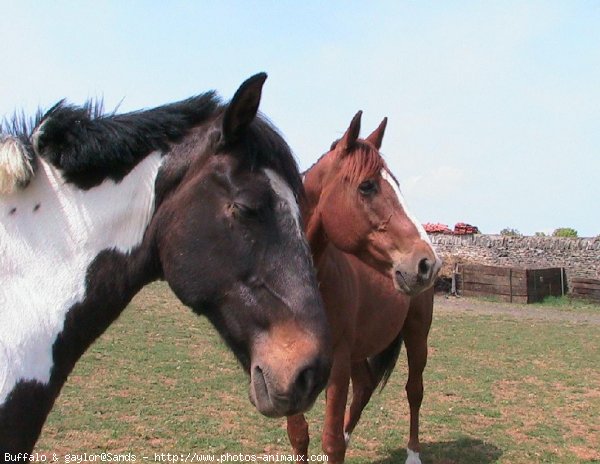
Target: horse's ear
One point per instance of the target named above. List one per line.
(243, 107)
(351, 135)
(377, 136)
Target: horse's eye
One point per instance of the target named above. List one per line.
(368, 187)
(246, 212)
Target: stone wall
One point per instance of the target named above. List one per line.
(579, 256)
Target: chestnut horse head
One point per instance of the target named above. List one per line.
(354, 203)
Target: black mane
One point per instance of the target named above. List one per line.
(89, 145)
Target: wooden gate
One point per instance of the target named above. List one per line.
(511, 284)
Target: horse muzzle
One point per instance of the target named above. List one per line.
(274, 397)
(412, 279)
(289, 367)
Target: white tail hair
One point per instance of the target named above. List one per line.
(16, 169)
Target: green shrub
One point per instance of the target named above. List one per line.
(511, 232)
(564, 232)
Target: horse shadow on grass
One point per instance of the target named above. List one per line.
(464, 450)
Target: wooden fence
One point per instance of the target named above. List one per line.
(511, 284)
(586, 288)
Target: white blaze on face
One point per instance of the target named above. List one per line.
(284, 192)
(390, 180)
(49, 235)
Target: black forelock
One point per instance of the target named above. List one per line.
(265, 148)
(88, 145)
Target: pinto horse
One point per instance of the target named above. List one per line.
(375, 266)
(198, 193)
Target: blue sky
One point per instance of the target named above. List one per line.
(493, 107)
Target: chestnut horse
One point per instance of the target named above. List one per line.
(199, 193)
(375, 266)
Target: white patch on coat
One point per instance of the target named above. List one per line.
(283, 191)
(390, 180)
(413, 457)
(45, 252)
(347, 438)
(3, 362)
(15, 166)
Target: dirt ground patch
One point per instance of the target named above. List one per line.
(476, 306)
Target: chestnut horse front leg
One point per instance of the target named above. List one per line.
(363, 386)
(297, 429)
(334, 444)
(415, 332)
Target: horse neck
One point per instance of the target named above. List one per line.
(313, 181)
(71, 261)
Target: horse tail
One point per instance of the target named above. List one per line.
(16, 169)
(382, 364)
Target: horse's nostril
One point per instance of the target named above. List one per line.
(311, 380)
(424, 268)
(305, 382)
(260, 384)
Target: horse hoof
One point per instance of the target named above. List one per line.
(413, 458)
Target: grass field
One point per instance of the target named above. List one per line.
(499, 389)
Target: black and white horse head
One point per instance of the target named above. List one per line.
(201, 194)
